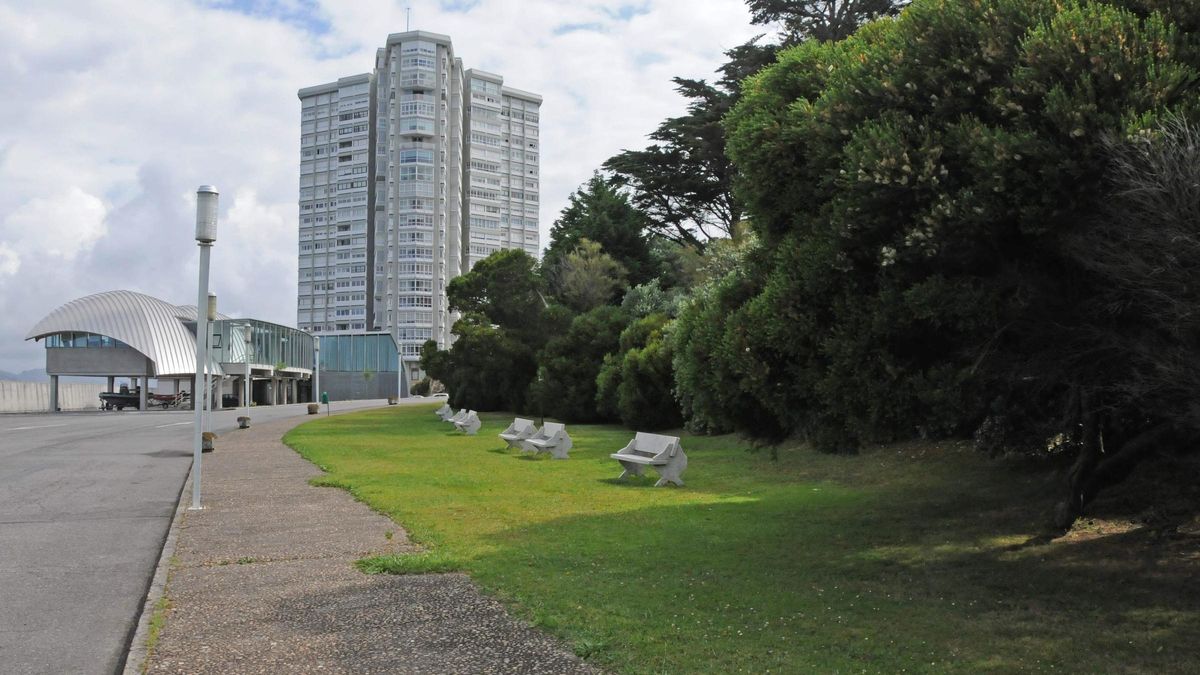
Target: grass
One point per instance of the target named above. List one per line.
(158, 619)
(917, 558)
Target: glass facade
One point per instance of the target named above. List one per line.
(373, 352)
(270, 344)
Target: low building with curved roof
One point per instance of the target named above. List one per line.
(128, 334)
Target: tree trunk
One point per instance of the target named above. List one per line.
(1095, 470)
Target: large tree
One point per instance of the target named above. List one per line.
(916, 188)
(820, 19)
(504, 322)
(504, 287)
(586, 278)
(683, 180)
(600, 213)
(568, 365)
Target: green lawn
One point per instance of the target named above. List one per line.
(917, 558)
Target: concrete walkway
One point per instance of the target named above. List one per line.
(264, 582)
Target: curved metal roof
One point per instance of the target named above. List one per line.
(149, 325)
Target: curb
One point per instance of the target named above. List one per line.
(135, 655)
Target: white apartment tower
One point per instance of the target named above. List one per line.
(409, 175)
(500, 154)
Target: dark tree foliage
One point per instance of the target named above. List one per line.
(684, 181)
(503, 287)
(504, 323)
(569, 363)
(435, 362)
(1131, 350)
(586, 278)
(635, 382)
(917, 189)
(487, 368)
(822, 20)
(598, 212)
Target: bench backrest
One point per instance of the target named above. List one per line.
(521, 424)
(549, 430)
(654, 444)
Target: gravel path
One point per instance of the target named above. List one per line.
(264, 583)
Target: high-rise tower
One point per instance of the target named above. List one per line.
(409, 175)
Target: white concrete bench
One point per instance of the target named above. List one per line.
(469, 423)
(456, 417)
(552, 438)
(445, 411)
(661, 452)
(519, 430)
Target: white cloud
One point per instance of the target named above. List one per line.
(10, 261)
(57, 226)
(116, 110)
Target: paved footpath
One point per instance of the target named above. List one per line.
(264, 582)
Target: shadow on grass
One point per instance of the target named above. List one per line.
(842, 580)
(636, 482)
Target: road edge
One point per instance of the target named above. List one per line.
(136, 652)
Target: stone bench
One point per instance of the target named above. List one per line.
(661, 452)
(552, 438)
(519, 430)
(445, 411)
(469, 424)
(456, 417)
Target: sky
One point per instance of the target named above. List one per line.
(116, 110)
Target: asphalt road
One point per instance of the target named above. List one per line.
(86, 500)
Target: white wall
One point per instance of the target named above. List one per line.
(35, 396)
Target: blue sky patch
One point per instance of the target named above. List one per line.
(304, 14)
(565, 28)
(460, 6)
(627, 11)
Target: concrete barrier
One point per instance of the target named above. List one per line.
(35, 396)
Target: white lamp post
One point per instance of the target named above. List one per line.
(206, 234)
(246, 382)
(316, 397)
(208, 375)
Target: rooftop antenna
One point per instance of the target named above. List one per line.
(407, 19)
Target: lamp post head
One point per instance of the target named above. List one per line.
(206, 214)
(212, 306)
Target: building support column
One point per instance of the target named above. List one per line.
(295, 390)
(220, 402)
(144, 394)
(274, 389)
(112, 382)
(53, 393)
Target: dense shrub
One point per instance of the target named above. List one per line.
(912, 188)
(635, 382)
(420, 387)
(488, 368)
(568, 365)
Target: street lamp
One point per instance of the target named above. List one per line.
(316, 368)
(248, 338)
(208, 374)
(206, 235)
